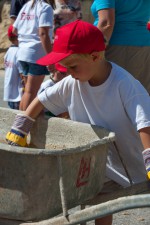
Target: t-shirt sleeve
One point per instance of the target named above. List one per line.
(136, 102)
(104, 4)
(52, 99)
(46, 17)
(46, 84)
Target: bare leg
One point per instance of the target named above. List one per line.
(104, 220)
(23, 81)
(31, 88)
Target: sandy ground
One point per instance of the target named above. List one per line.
(129, 217)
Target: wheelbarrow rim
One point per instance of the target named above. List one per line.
(63, 151)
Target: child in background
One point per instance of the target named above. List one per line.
(58, 74)
(100, 93)
(34, 26)
(12, 82)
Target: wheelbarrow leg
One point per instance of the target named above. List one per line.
(83, 207)
(62, 188)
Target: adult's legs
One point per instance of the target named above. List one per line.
(104, 220)
(31, 88)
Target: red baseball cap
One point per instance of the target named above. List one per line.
(60, 68)
(78, 37)
(148, 25)
(10, 32)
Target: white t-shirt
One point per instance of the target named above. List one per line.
(12, 80)
(45, 84)
(27, 23)
(120, 104)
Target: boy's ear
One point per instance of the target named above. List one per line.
(95, 55)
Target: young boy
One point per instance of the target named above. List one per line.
(12, 83)
(97, 92)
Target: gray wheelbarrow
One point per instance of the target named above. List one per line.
(63, 167)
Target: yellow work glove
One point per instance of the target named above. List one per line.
(146, 157)
(18, 134)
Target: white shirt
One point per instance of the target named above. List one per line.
(12, 80)
(27, 23)
(120, 104)
(46, 84)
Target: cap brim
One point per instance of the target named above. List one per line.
(60, 68)
(52, 58)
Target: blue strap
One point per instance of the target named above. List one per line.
(18, 133)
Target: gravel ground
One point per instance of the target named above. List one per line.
(129, 217)
(133, 217)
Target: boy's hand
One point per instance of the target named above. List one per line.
(19, 131)
(146, 157)
(16, 138)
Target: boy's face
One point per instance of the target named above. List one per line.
(79, 67)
